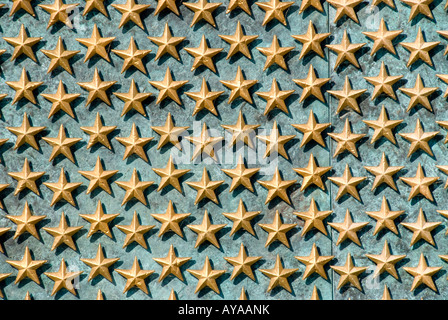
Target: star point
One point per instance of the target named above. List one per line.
(312, 174)
(345, 7)
(133, 99)
(98, 133)
(311, 41)
(419, 49)
(204, 99)
(204, 144)
(59, 12)
(59, 57)
(26, 133)
(61, 101)
(383, 127)
(383, 38)
(346, 140)
(383, 83)
(385, 217)
(24, 88)
(385, 262)
(239, 41)
(169, 133)
(97, 88)
(347, 97)
(26, 179)
(275, 98)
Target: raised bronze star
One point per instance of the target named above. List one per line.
(277, 230)
(24, 88)
(313, 218)
(311, 85)
(274, 10)
(419, 94)
(22, 4)
(444, 78)
(347, 184)
(96, 45)
(97, 88)
(168, 88)
(315, 294)
(62, 190)
(383, 127)
(277, 187)
(241, 132)
(349, 273)
(26, 222)
(238, 42)
(169, 133)
(133, 99)
(100, 265)
(312, 174)
(99, 221)
(204, 144)
(3, 276)
(205, 187)
(95, 4)
(315, 263)
(203, 10)
(239, 86)
(275, 98)
(170, 220)
(278, 275)
(241, 175)
(445, 35)
(385, 217)
(345, 50)
(167, 44)
(419, 6)
(171, 264)
(98, 177)
(134, 188)
(27, 267)
(312, 130)
(383, 38)
(135, 277)
(275, 54)
(170, 175)
(275, 142)
(98, 133)
(383, 83)
(243, 295)
(419, 139)
(61, 145)
(23, 44)
(422, 274)
(384, 173)
(419, 49)
(63, 233)
(204, 98)
(2, 232)
(346, 140)
(134, 144)
(348, 229)
(25, 133)
(241, 219)
(206, 276)
(135, 232)
(385, 261)
(206, 231)
(420, 184)
(59, 12)
(63, 279)
(166, 4)
(203, 55)
(347, 97)
(390, 3)
(60, 57)
(61, 101)
(26, 179)
(242, 263)
(444, 169)
(132, 56)
(130, 11)
(311, 40)
(242, 4)
(421, 229)
(345, 7)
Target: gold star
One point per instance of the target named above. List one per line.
(206, 231)
(241, 219)
(130, 11)
(63, 233)
(171, 264)
(169, 133)
(239, 86)
(386, 294)
(347, 184)
(132, 57)
(206, 276)
(62, 189)
(275, 98)
(420, 184)
(315, 294)
(61, 145)
(345, 7)
(349, 273)
(99, 221)
(27, 296)
(98, 177)
(242, 263)
(383, 83)
(98, 133)
(241, 175)
(203, 10)
(135, 232)
(385, 217)
(419, 139)
(134, 188)
(419, 6)
(243, 295)
(170, 220)
(384, 173)
(347, 97)
(383, 38)
(313, 218)
(96, 45)
(205, 188)
(24, 88)
(134, 144)
(383, 127)
(172, 295)
(278, 275)
(204, 143)
(277, 230)
(312, 174)
(26, 222)
(419, 49)
(27, 267)
(274, 10)
(390, 3)
(61, 100)
(166, 4)
(100, 265)
(385, 261)
(95, 4)
(63, 279)
(311, 40)
(422, 274)
(314, 263)
(242, 4)
(168, 88)
(23, 44)
(59, 12)
(241, 132)
(346, 140)
(312, 130)
(274, 54)
(22, 4)
(25, 133)
(311, 85)
(204, 98)
(170, 175)
(345, 50)
(133, 99)
(26, 179)
(419, 94)
(97, 88)
(444, 169)
(421, 229)
(239, 41)
(135, 277)
(60, 57)
(277, 187)
(275, 142)
(203, 55)
(167, 44)
(348, 229)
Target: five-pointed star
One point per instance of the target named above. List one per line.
(135, 276)
(349, 273)
(345, 7)
(419, 139)
(23, 44)
(419, 94)
(203, 10)
(275, 54)
(61, 145)
(382, 38)
(312, 174)
(314, 263)
(238, 41)
(134, 188)
(167, 44)
(168, 88)
(26, 222)
(26, 179)
(98, 177)
(206, 231)
(27, 267)
(422, 274)
(383, 83)
(384, 173)
(275, 98)
(313, 218)
(241, 219)
(419, 49)
(100, 265)
(311, 85)
(61, 100)
(206, 276)
(312, 130)
(97, 88)
(166, 4)
(278, 275)
(95, 4)
(22, 4)
(385, 217)
(96, 45)
(169, 133)
(98, 133)
(241, 132)
(205, 187)
(348, 229)
(419, 6)
(133, 99)
(275, 142)
(24, 88)
(204, 144)
(130, 11)
(241, 175)
(346, 140)
(239, 86)
(311, 40)
(132, 57)
(277, 230)
(99, 221)
(170, 220)
(242, 4)
(63, 233)
(274, 10)
(204, 98)
(420, 184)
(59, 12)
(60, 57)
(135, 232)
(171, 264)
(170, 175)
(134, 144)
(421, 229)
(346, 51)
(63, 279)
(62, 189)
(347, 97)
(385, 261)
(242, 263)
(203, 55)
(25, 133)
(383, 127)
(277, 187)
(347, 184)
